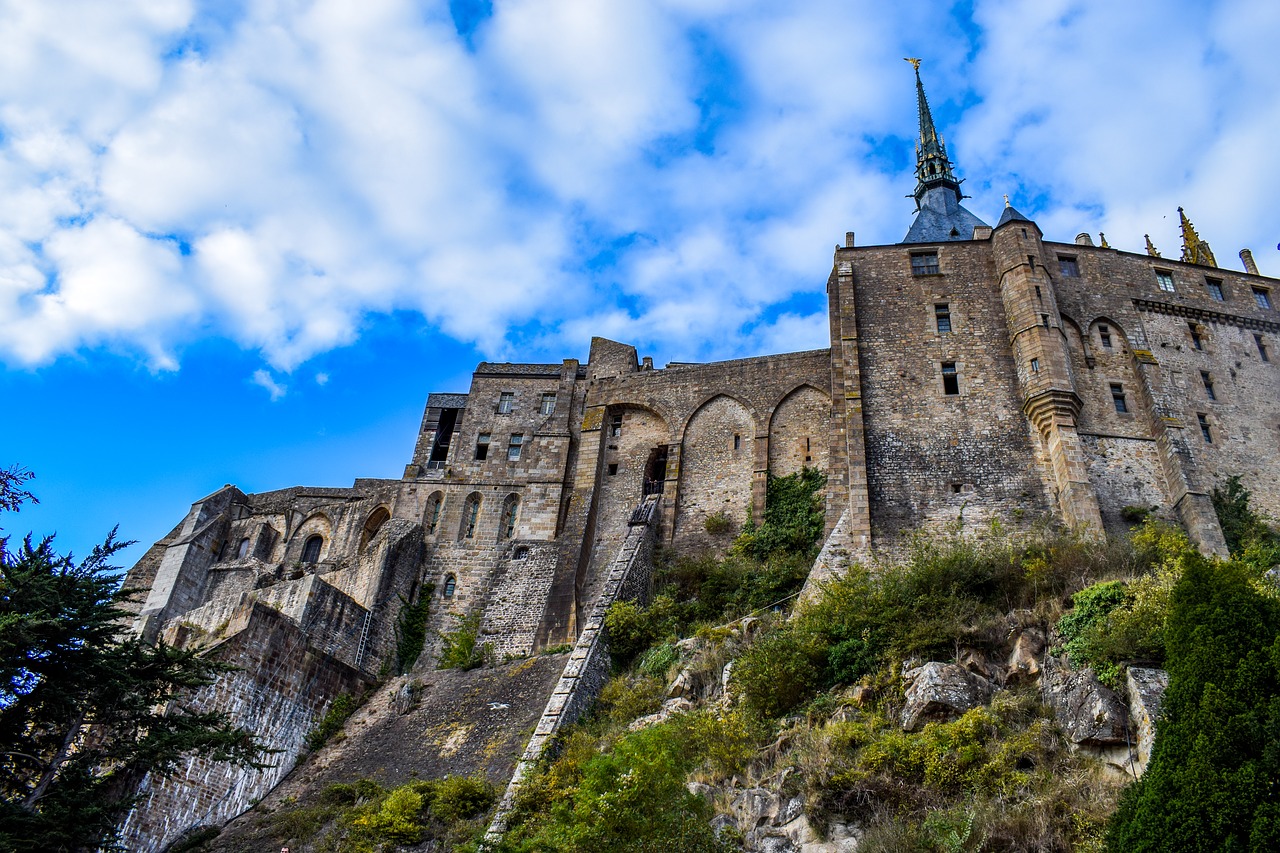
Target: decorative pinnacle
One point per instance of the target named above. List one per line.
(1006, 200)
(1103, 237)
(1151, 247)
(933, 168)
(1194, 250)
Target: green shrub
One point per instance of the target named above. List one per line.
(1249, 538)
(461, 648)
(631, 629)
(411, 629)
(342, 707)
(459, 798)
(718, 523)
(1215, 766)
(1135, 514)
(779, 671)
(793, 517)
(626, 698)
(658, 660)
(631, 798)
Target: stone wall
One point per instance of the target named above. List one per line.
(931, 457)
(281, 686)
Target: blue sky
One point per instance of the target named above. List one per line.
(241, 241)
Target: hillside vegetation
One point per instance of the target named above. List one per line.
(733, 723)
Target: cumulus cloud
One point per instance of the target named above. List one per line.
(672, 173)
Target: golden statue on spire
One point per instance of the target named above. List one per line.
(915, 63)
(1194, 250)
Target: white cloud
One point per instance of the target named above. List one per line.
(668, 173)
(264, 379)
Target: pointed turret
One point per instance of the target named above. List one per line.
(1194, 250)
(939, 214)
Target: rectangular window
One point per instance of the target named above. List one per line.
(924, 263)
(506, 402)
(548, 404)
(482, 446)
(737, 441)
(1164, 278)
(615, 426)
(1196, 340)
(613, 469)
(1262, 347)
(1044, 318)
(1104, 333)
(1204, 427)
(950, 379)
(1208, 385)
(942, 313)
(1215, 289)
(1262, 297)
(1035, 365)
(1117, 397)
(1068, 267)
(513, 446)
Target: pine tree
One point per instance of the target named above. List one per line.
(87, 708)
(1214, 778)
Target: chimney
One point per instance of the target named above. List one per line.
(848, 239)
(1083, 239)
(1249, 265)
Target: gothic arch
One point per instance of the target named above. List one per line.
(433, 513)
(717, 465)
(470, 522)
(510, 513)
(799, 431)
(372, 525)
(707, 401)
(316, 524)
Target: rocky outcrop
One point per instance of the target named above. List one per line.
(941, 691)
(1090, 713)
(1146, 693)
(769, 822)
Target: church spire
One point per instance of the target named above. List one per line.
(933, 168)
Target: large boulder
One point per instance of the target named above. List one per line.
(941, 691)
(1024, 658)
(1089, 712)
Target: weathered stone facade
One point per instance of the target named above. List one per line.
(975, 374)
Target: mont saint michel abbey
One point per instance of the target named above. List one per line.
(978, 370)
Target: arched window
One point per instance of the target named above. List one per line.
(450, 586)
(470, 517)
(311, 549)
(372, 525)
(507, 527)
(242, 550)
(432, 518)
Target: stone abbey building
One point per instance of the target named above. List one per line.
(975, 372)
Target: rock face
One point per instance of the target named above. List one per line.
(771, 823)
(1146, 693)
(1090, 713)
(941, 691)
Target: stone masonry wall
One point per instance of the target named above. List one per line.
(281, 688)
(933, 458)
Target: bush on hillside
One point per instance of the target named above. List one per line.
(1215, 767)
